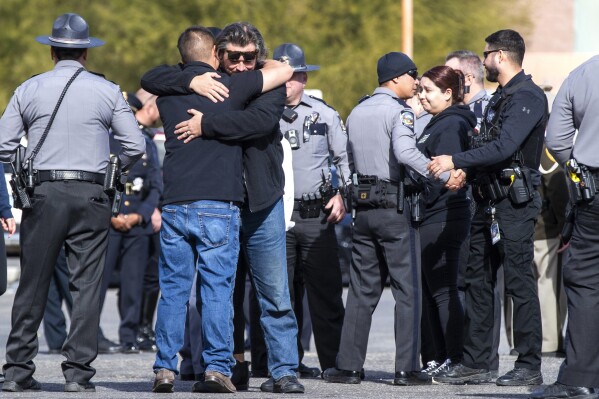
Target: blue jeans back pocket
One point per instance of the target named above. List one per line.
(214, 229)
(169, 227)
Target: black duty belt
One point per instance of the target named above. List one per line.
(59, 175)
(296, 204)
(391, 188)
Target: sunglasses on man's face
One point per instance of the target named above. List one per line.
(413, 73)
(248, 56)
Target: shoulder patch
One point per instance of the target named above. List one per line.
(407, 119)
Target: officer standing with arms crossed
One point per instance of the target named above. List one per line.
(382, 141)
(69, 206)
(574, 109)
(504, 158)
(315, 132)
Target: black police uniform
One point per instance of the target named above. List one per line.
(131, 249)
(517, 114)
(146, 338)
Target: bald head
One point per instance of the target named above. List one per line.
(196, 43)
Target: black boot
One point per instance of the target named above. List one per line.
(241, 376)
(146, 339)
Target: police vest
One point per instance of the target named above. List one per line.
(491, 124)
(528, 154)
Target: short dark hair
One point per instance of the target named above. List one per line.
(510, 41)
(67, 53)
(195, 44)
(470, 63)
(445, 77)
(241, 34)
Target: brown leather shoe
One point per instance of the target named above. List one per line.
(215, 382)
(164, 381)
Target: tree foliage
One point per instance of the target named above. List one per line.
(344, 37)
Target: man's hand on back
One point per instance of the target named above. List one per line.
(206, 85)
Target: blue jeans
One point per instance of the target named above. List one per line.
(263, 239)
(203, 235)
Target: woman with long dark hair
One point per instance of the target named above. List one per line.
(446, 220)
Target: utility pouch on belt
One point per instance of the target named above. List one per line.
(491, 188)
(310, 205)
(366, 191)
(514, 183)
(520, 189)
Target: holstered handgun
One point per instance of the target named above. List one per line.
(114, 183)
(582, 182)
(20, 194)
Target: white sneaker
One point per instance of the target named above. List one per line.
(440, 368)
(430, 367)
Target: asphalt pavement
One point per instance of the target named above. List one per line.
(130, 376)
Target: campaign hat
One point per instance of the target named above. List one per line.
(293, 55)
(70, 31)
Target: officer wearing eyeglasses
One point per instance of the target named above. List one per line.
(385, 239)
(504, 161)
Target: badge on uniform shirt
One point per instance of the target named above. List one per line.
(138, 184)
(490, 115)
(407, 119)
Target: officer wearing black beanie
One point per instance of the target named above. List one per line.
(385, 236)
